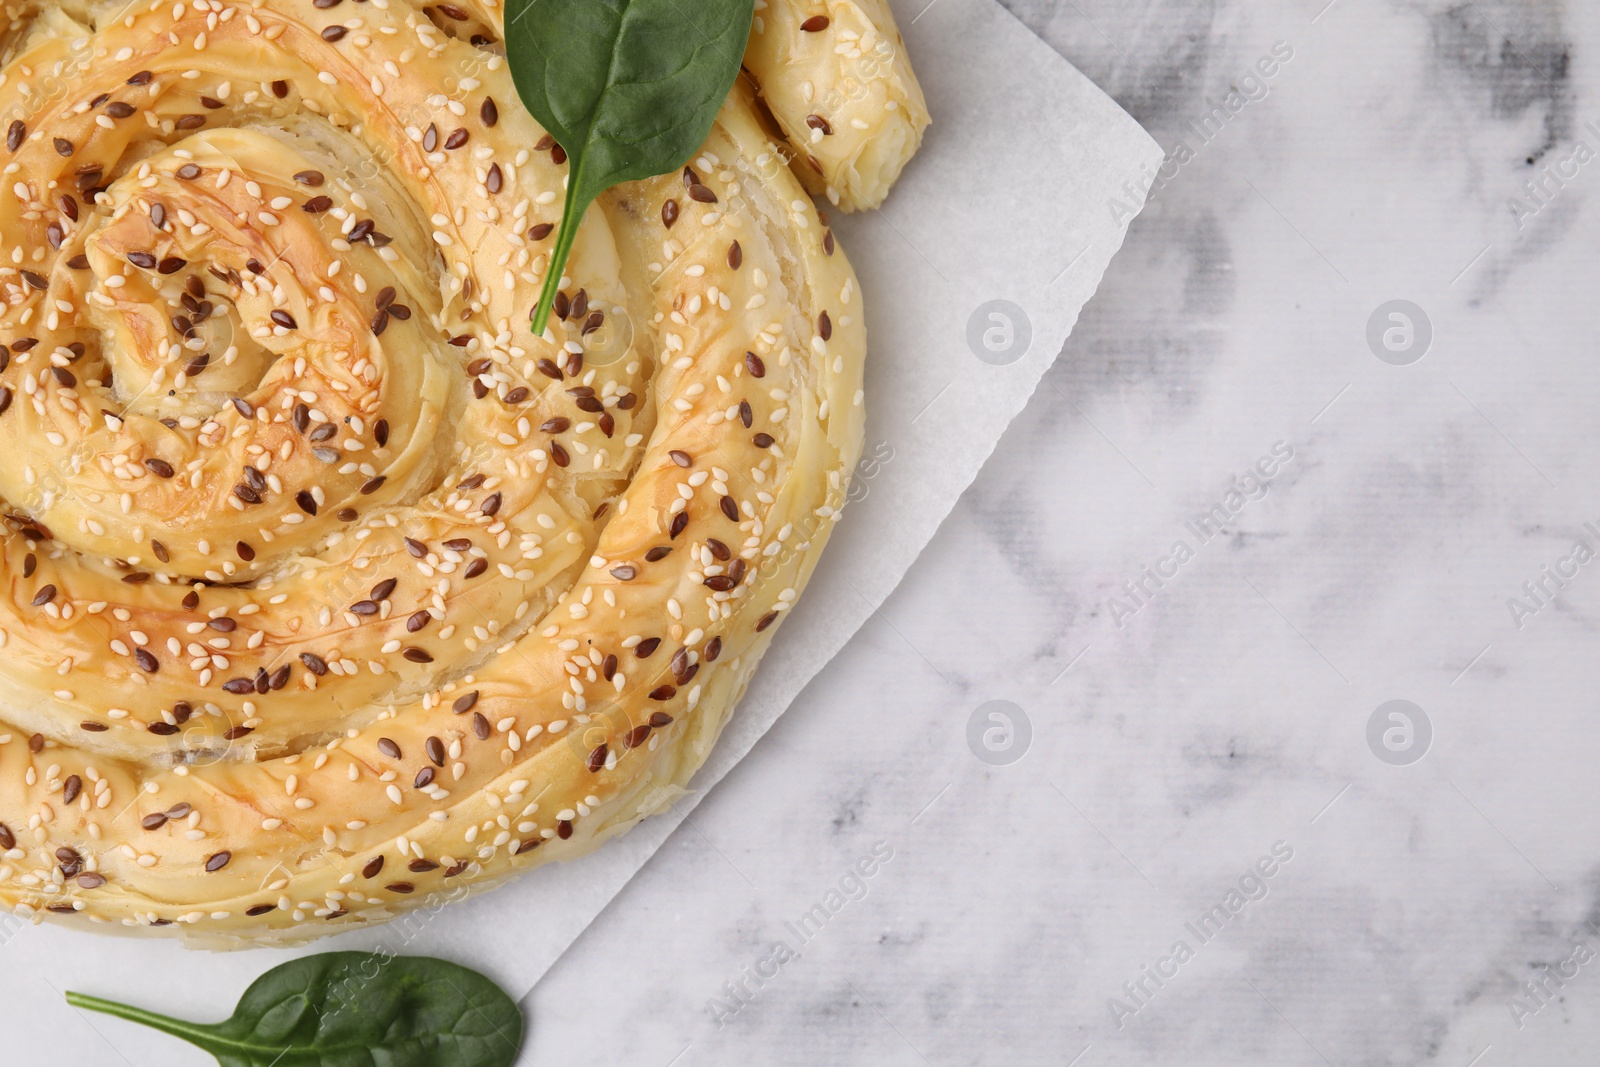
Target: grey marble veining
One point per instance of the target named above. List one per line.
(1195, 721)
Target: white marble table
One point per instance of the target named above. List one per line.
(1031, 911)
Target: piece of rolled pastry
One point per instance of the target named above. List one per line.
(331, 589)
(834, 75)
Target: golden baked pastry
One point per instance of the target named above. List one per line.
(330, 587)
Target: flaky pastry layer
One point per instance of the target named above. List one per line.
(330, 588)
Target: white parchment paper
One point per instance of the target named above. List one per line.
(1021, 196)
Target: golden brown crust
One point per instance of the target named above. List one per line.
(330, 587)
(836, 77)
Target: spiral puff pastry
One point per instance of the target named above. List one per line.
(329, 588)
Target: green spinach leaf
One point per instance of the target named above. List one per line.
(628, 88)
(353, 1009)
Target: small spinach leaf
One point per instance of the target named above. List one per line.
(628, 88)
(353, 1009)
